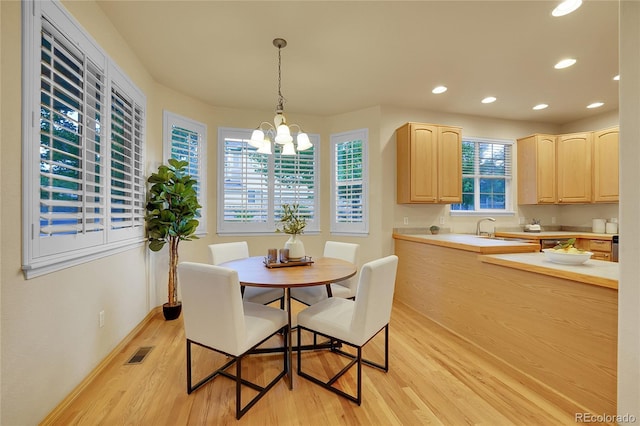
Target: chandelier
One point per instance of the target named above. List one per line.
(279, 130)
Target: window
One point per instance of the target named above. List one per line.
(252, 187)
(186, 140)
(83, 135)
(349, 192)
(486, 176)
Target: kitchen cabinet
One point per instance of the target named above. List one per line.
(574, 168)
(537, 169)
(568, 169)
(605, 166)
(601, 249)
(429, 164)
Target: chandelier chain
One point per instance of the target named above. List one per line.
(280, 106)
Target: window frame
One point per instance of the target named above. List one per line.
(170, 119)
(41, 255)
(269, 226)
(352, 228)
(509, 182)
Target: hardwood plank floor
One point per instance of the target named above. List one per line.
(434, 378)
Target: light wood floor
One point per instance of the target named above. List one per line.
(434, 378)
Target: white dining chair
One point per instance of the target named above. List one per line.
(226, 252)
(353, 322)
(345, 289)
(216, 318)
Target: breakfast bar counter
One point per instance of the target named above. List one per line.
(596, 272)
(554, 323)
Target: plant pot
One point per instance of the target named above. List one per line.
(171, 312)
(295, 246)
(434, 231)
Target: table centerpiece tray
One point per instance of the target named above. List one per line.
(305, 261)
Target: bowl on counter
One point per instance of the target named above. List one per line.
(567, 258)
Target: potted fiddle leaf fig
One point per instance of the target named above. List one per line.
(172, 212)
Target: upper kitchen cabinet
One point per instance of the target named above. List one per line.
(537, 169)
(429, 164)
(574, 168)
(605, 166)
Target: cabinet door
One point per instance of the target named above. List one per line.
(449, 165)
(546, 169)
(423, 163)
(605, 166)
(574, 168)
(536, 169)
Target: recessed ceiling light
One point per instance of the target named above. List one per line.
(595, 105)
(540, 106)
(439, 89)
(488, 100)
(566, 7)
(617, 77)
(564, 63)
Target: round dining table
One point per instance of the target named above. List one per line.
(253, 272)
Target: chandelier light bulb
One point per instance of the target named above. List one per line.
(303, 142)
(266, 147)
(283, 135)
(288, 149)
(257, 138)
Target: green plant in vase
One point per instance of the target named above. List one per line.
(293, 223)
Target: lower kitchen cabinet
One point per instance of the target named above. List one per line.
(601, 249)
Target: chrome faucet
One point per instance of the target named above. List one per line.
(480, 221)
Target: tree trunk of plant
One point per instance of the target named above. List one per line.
(173, 270)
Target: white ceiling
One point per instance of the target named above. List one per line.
(343, 56)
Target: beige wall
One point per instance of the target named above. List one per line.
(50, 339)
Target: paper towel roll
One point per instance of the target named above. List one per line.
(598, 226)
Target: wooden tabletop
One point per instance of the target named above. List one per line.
(324, 270)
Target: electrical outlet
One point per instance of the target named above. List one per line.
(101, 319)
(553, 220)
(406, 220)
(521, 220)
(441, 220)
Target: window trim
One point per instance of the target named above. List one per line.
(168, 120)
(226, 228)
(509, 184)
(354, 229)
(72, 250)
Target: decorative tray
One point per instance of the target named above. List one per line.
(305, 261)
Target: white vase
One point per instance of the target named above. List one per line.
(295, 246)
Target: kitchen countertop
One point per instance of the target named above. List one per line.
(553, 234)
(595, 272)
(468, 242)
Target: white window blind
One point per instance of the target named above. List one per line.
(349, 189)
(186, 140)
(83, 135)
(127, 180)
(486, 176)
(71, 191)
(252, 187)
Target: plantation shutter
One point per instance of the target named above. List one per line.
(71, 153)
(295, 183)
(252, 187)
(186, 140)
(245, 186)
(127, 181)
(349, 204)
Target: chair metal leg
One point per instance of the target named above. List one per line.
(355, 359)
(262, 390)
